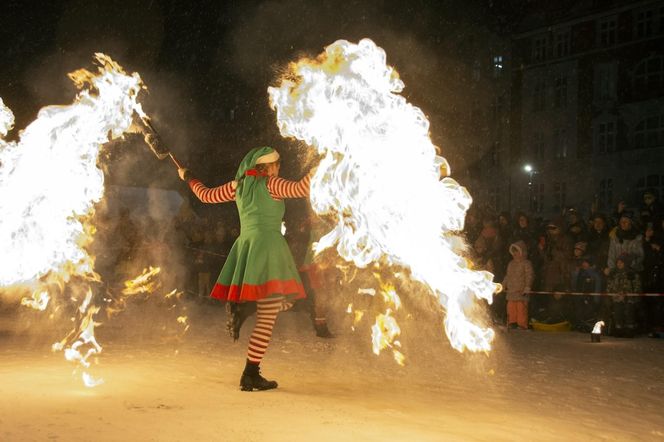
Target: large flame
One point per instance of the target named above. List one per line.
(380, 176)
(49, 184)
(49, 180)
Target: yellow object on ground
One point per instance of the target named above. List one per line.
(559, 327)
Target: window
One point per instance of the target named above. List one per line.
(607, 31)
(539, 48)
(644, 23)
(560, 92)
(649, 73)
(559, 195)
(536, 197)
(562, 43)
(605, 137)
(605, 194)
(540, 147)
(497, 66)
(649, 132)
(605, 81)
(560, 143)
(539, 98)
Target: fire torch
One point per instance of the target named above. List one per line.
(152, 139)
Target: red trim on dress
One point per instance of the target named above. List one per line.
(253, 292)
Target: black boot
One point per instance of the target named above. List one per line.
(252, 380)
(237, 314)
(322, 331)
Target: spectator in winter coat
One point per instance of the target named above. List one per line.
(556, 254)
(653, 278)
(472, 226)
(505, 227)
(517, 284)
(598, 241)
(625, 240)
(495, 247)
(576, 227)
(523, 231)
(621, 208)
(623, 280)
(651, 209)
(585, 279)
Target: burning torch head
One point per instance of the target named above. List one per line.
(151, 137)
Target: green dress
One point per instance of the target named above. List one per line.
(259, 264)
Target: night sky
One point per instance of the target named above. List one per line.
(208, 64)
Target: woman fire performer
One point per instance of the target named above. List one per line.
(259, 268)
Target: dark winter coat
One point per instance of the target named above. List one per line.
(626, 242)
(556, 262)
(598, 246)
(653, 266)
(586, 280)
(623, 281)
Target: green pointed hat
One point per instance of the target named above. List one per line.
(257, 155)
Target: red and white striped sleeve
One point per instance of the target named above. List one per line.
(280, 188)
(220, 194)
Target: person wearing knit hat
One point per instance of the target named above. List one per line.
(259, 271)
(581, 246)
(625, 239)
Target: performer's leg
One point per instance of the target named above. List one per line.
(266, 314)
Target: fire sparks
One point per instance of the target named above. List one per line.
(39, 300)
(381, 179)
(384, 334)
(143, 283)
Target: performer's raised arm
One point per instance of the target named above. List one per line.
(219, 194)
(280, 188)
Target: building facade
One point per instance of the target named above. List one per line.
(587, 109)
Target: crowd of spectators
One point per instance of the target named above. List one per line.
(614, 257)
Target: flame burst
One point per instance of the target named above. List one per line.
(381, 178)
(49, 180)
(49, 184)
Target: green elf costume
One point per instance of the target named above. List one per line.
(259, 270)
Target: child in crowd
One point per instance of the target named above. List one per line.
(622, 280)
(517, 284)
(585, 279)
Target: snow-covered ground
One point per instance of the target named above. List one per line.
(532, 386)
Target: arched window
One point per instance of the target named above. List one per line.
(649, 132)
(649, 73)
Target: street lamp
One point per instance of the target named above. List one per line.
(530, 171)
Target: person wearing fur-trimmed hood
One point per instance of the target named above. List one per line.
(517, 284)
